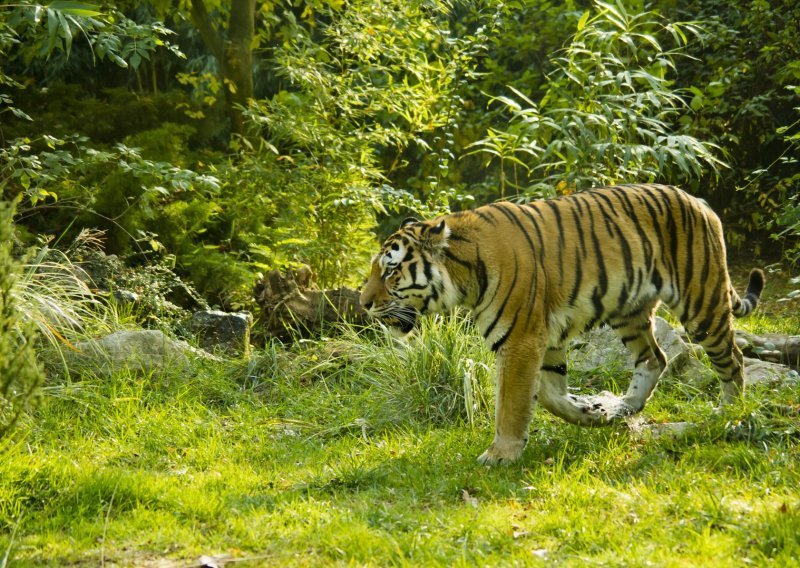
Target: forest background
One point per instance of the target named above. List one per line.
(224, 139)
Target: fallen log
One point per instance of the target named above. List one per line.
(772, 347)
(293, 307)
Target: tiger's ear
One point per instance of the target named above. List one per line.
(434, 237)
(408, 221)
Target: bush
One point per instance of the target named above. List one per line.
(610, 113)
(743, 81)
(439, 375)
(20, 373)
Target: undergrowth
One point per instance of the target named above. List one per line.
(359, 450)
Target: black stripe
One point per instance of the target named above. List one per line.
(567, 330)
(658, 282)
(597, 302)
(627, 254)
(513, 218)
(450, 256)
(579, 228)
(412, 287)
(485, 216)
(704, 270)
(714, 353)
(703, 327)
(689, 230)
(599, 292)
(608, 217)
(505, 301)
(538, 254)
(644, 238)
(499, 343)
(560, 369)
(578, 281)
(559, 223)
(426, 270)
(483, 279)
(672, 228)
(535, 224)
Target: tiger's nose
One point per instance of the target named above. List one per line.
(367, 306)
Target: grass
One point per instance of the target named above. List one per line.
(355, 451)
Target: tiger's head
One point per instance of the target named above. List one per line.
(407, 277)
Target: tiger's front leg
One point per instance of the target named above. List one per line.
(517, 390)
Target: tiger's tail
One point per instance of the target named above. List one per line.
(745, 305)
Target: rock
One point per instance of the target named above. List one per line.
(601, 349)
(215, 329)
(138, 350)
(771, 346)
(682, 358)
(672, 429)
(758, 371)
(125, 296)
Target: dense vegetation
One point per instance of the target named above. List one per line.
(218, 140)
(131, 118)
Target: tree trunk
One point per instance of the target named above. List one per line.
(233, 52)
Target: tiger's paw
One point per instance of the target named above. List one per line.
(502, 451)
(604, 408)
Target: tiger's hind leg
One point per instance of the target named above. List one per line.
(584, 410)
(714, 332)
(636, 332)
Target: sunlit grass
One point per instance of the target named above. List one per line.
(362, 451)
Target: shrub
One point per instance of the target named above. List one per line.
(20, 373)
(609, 113)
(441, 374)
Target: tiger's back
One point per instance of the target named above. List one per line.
(535, 275)
(603, 254)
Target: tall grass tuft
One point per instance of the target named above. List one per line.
(439, 375)
(57, 297)
(20, 373)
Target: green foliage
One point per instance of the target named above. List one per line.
(42, 30)
(439, 375)
(743, 80)
(609, 114)
(119, 186)
(368, 112)
(377, 82)
(20, 373)
(788, 216)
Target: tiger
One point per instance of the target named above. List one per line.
(535, 275)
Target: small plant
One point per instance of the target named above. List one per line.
(20, 373)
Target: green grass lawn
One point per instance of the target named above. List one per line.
(357, 452)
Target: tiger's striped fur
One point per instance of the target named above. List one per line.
(536, 275)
